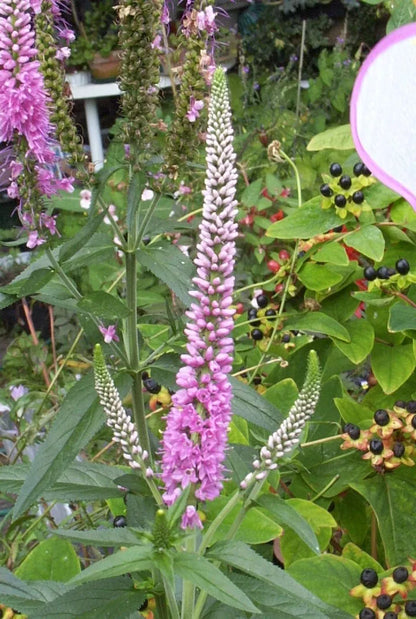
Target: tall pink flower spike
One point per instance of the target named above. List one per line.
(383, 112)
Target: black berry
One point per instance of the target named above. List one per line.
(383, 601)
(347, 426)
(358, 168)
(358, 197)
(366, 171)
(383, 273)
(151, 385)
(370, 274)
(262, 300)
(354, 432)
(338, 229)
(411, 406)
(257, 380)
(398, 449)
(256, 334)
(402, 266)
(410, 608)
(326, 190)
(413, 422)
(381, 417)
(270, 312)
(119, 521)
(340, 200)
(286, 338)
(252, 315)
(369, 578)
(335, 169)
(400, 404)
(391, 615)
(376, 446)
(400, 574)
(391, 271)
(345, 181)
(367, 613)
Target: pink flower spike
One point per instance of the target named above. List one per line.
(191, 519)
(109, 334)
(194, 108)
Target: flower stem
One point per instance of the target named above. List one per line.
(188, 588)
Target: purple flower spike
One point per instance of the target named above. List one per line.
(194, 443)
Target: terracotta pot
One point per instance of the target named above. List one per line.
(105, 69)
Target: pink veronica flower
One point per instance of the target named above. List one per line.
(194, 109)
(194, 443)
(206, 20)
(109, 334)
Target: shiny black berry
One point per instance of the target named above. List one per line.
(400, 574)
(358, 197)
(252, 315)
(398, 450)
(338, 229)
(366, 171)
(383, 273)
(340, 200)
(358, 168)
(400, 404)
(411, 406)
(270, 312)
(370, 274)
(383, 601)
(413, 422)
(391, 615)
(369, 578)
(119, 521)
(326, 190)
(376, 446)
(335, 169)
(354, 432)
(262, 300)
(381, 417)
(257, 335)
(410, 608)
(151, 385)
(367, 613)
(345, 181)
(257, 380)
(402, 266)
(286, 338)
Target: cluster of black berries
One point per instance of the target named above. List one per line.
(379, 596)
(344, 192)
(384, 272)
(390, 441)
(259, 317)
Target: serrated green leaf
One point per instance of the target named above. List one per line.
(305, 222)
(106, 538)
(71, 247)
(133, 559)
(337, 138)
(52, 559)
(24, 596)
(171, 266)
(392, 365)
(104, 305)
(317, 322)
(78, 419)
(361, 341)
(331, 578)
(368, 240)
(209, 578)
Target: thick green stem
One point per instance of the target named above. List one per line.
(188, 588)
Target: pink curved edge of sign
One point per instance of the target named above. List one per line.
(405, 32)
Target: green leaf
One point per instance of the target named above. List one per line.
(102, 537)
(103, 599)
(378, 196)
(294, 597)
(209, 578)
(104, 305)
(318, 277)
(78, 419)
(368, 240)
(133, 559)
(247, 403)
(361, 341)
(331, 578)
(171, 266)
(402, 318)
(287, 516)
(283, 394)
(23, 596)
(393, 499)
(317, 322)
(52, 559)
(358, 555)
(251, 194)
(337, 138)
(352, 411)
(305, 222)
(36, 281)
(403, 12)
(71, 247)
(333, 253)
(402, 213)
(392, 365)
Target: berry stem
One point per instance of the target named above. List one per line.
(402, 296)
(327, 487)
(320, 441)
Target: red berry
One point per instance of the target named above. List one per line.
(277, 216)
(284, 254)
(278, 288)
(239, 308)
(273, 266)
